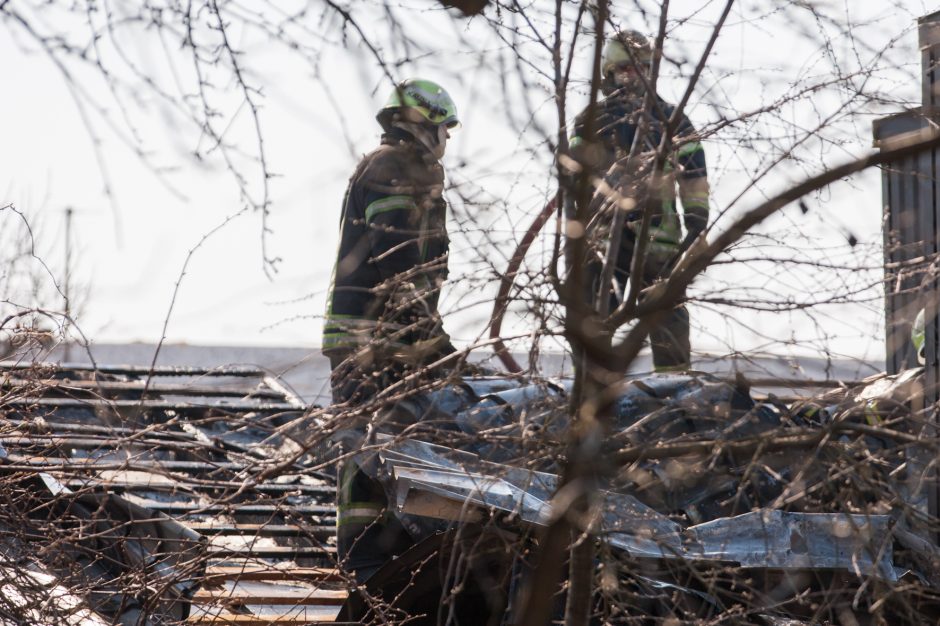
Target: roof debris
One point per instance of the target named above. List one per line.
(149, 497)
(152, 497)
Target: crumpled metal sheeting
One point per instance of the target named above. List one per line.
(630, 525)
(473, 490)
(495, 384)
(673, 406)
(445, 402)
(661, 584)
(516, 407)
(494, 415)
(466, 480)
(403, 452)
(901, 386)
(860, 544)
(776, 620)
(490, 415)
(498, 414)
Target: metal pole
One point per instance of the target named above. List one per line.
(68, 280)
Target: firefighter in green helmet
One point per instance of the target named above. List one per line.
(382, 317)
(627, 60)
(382, 327)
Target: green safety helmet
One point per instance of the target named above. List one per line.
(421, 101)
(919, 337)
(626, 47)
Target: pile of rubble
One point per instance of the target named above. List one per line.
(160, 495)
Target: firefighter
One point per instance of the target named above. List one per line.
(382, 317)
(382, 325)
(626, 63)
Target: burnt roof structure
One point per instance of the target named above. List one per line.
(137, 495)
(155, 495)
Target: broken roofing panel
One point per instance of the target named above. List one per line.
(200, 513)
(768, 539)
(860, 544)
(203, 462)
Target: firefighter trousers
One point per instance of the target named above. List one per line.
(669, 341)
(367, 533)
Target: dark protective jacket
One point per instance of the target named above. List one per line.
(617, 120)
(392, 256)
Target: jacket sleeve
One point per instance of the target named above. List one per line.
(398, 205)
(600, 153)
(399, 194)
(393, 221)
(693, 182)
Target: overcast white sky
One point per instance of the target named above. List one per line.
(129, 249)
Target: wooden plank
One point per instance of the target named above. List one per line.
(762, 397)
(264, 616)
(277, 571)
(268, 552)
(135, 370)
(795, 383)
(163, 405)
(134, 471)
(94, 443)
(54, 427)
(235, 508)
(197, 467)
(262, 530)
(131, 480)
(260, 592)
(49, 385)
(123, 481)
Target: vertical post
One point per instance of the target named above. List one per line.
(912, 214)
(911, 195)
(67, 283)
(928, 30)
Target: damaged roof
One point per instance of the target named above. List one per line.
(170, 493)
(139, 495)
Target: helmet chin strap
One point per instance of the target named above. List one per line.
(432, 137)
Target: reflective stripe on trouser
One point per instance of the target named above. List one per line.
(367, 534)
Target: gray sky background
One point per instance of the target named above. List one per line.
(318, 120)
